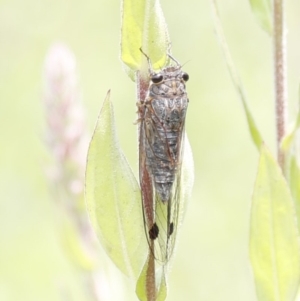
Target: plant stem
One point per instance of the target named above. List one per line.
(235, 78)
(146, 190)
(279, 41)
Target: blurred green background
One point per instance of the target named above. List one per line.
(212, 256)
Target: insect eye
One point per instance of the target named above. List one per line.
(185, 76)
(157, 78)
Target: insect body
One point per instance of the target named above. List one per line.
(162, 115)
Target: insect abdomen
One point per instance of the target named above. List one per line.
(162, 153)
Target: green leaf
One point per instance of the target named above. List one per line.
(144, 290)
(274, 240)
(235, 78)
(254, 132)
(113, 197)
(141, 287)
(162, 292)
(262, 10)
(295, 185)
(288, 140)
(143, 26)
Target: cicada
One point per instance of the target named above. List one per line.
(161, 137)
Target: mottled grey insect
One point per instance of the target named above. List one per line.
(162, 119)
